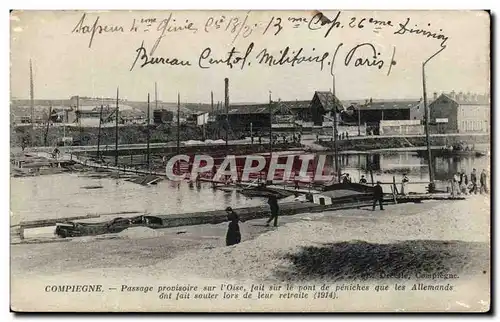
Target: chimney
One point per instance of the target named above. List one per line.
(226, 94)
(435, 95)
(453, 94)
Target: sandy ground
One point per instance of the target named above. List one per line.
(453, 235)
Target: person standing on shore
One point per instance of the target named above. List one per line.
(473, 180)
(363, 180)
(378, 195)
(404, 184)
(233, 235)
(454, 185)
(273, 204)
(482, 182)
(464, 181)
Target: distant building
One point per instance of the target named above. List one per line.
(300, 110)
(241, 116)
(321, 105)
(460, 113)
(162, 116)
(88, 116)
(373, 112)
(401, 127)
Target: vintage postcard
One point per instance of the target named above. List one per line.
(250, 161)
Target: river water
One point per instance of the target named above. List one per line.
(64, 195)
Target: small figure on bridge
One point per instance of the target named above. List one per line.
(55, 153)
(346, 179)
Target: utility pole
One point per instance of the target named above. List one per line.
(226, 103)
(156, 99)
(116, 128)
(359, 119)
(80, 131)
(270, 126)
(148, 161)
(335, 132)
(99, 134)
(212, 101)
(32, 107)
(178, 123)
(251, 132)
(427, 118)
(48, 124)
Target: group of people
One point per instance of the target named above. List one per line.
(343, 135)
(462, 184)
(340, 136)
(286, 139)
(233, 235)
(461, 146)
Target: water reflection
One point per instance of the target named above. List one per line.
(386, 166)
(62, 195)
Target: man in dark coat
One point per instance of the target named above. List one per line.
(233, 235)
(473, 180)
(378, 195)
(273, 204)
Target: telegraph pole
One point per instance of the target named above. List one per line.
(178, 123)
(226, 103)
(148, 136)
(427, 117)
(99, 134)
(335, 132)
(32, 107)
(270, 126)
(116, 128)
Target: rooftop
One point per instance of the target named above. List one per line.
(386, 105)
(326, 100)
(468, 99)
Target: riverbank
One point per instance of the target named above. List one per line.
(379, 142)
(457, 232)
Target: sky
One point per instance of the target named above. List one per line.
(64, 65)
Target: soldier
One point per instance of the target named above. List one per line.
(273, 205)
(473, 180)
(378, 195)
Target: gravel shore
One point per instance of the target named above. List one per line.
(437, 237)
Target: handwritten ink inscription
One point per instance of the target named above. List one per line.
(241, 25)
(363, 55)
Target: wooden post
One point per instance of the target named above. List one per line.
(148, 160)
(270, 128)
(394, 190)
(99, 134)
(48, 124)
(226, 103)
(116, 128)
(178, 123)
